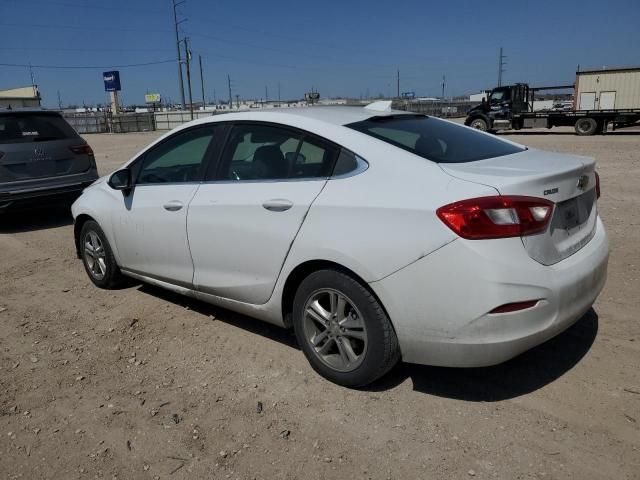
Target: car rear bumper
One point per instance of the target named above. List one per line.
(60, 192)
(439, 304)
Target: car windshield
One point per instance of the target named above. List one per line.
(435, 140)
(33, 127)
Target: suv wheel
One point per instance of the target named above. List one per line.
(343, 330)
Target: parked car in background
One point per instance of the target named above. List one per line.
(377, 235)
(43, 161)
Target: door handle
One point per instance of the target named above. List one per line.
(278, 205)
(173, 205)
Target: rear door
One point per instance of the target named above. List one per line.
(39, 145)
(150, 223)
(607, 100)
(243, 220)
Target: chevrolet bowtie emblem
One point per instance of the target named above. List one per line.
(583, 182)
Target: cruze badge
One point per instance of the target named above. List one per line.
(583, 182)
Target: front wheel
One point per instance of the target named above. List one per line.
(97, 257)
(343, 330)
(479, 124)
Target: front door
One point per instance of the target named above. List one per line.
(587, 101)
(243, 221)
(150, 227)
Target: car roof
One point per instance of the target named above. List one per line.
(334, 115)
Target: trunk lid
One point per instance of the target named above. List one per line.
(567, 180)
(38, 160)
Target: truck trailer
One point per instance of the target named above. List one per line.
(603, 100)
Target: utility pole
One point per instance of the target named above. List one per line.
(187, 54)
(230, 97)
(398, 83)
(178, 59)
(501, 64)
(238, 101)
(201, 81)
(59, 101)
(443, 82)
(266, 94)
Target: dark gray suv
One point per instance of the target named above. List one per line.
(43, 161)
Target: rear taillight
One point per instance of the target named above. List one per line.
(81, 150)
(497, 217)
(597, 185)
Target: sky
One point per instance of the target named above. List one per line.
(339, 48)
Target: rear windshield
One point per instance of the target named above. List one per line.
(33, 127)
(434, 139)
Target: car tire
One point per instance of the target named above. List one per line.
(352, 344)
(586, 126)
(479, 124)
(97, 257)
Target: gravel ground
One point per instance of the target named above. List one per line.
(141, 383)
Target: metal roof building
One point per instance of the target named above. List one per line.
(20, 97)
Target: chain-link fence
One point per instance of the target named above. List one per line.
(103, 122)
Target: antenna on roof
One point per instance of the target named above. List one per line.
(383, 106)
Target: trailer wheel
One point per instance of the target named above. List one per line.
(479, 124)
(586, 126)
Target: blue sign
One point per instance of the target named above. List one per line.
(408, 94)
(111, 81)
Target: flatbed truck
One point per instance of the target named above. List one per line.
(512, 107)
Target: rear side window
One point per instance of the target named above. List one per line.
(434, 139)
(265, 152)
(25, 128)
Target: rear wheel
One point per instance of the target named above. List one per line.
(479, 124)
(343, 330)
(97, 257)
(586, 126)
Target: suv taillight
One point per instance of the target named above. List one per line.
(597, 185)
(81, 150)
(497, 217)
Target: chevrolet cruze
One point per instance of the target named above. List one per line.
(376, 235)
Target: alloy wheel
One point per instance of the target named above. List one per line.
(335, 330)
(95, 255)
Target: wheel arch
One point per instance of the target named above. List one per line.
(77, 228)
(303, 270)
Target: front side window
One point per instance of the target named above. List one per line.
(500, 95)
(177, 159)
(264, 152)
(433, 139)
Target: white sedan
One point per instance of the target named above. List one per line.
(377, 235)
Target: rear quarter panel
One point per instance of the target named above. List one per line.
(382, 219)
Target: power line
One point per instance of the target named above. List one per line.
(97, 49)
(85, 67)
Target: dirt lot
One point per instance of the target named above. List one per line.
(140, 383)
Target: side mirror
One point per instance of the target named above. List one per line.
(121, 180)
